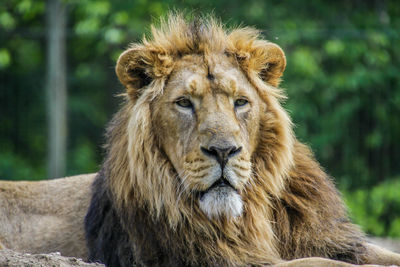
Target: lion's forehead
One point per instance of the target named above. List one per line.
(199, 76)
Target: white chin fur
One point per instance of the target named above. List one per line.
(221, 201)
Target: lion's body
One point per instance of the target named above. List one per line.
(202, 167)
(45, 216)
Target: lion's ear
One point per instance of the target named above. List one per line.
(271, 63)
(133, 72)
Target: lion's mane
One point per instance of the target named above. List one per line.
(292, 208)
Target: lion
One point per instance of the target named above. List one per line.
(45, 216)
(202, 167)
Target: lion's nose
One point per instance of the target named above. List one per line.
(221, 154)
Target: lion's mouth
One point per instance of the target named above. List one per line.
(220, 183)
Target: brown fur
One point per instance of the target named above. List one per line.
(45, 216)
(291, 207)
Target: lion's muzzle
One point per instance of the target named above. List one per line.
(221, 154)
(222, 197)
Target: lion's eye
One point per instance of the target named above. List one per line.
(241, 102)
(184, 102)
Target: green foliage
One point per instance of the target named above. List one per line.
(377, 210)
(342, 79)
(12, 165)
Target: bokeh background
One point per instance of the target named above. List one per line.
(342, 79)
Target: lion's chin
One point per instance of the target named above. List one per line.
(221, 201)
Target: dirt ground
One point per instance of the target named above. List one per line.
(9, 258)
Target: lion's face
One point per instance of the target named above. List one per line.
(207, 123)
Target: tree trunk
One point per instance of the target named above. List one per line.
(56, 88)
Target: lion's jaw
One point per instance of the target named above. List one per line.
(221, 201)
(214, 136)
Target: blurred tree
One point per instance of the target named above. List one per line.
(56, 14)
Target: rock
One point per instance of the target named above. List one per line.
(9, 258)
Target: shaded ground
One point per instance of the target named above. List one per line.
(9, 258)
(388, 243)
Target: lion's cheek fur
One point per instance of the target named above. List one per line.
(173, 138)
